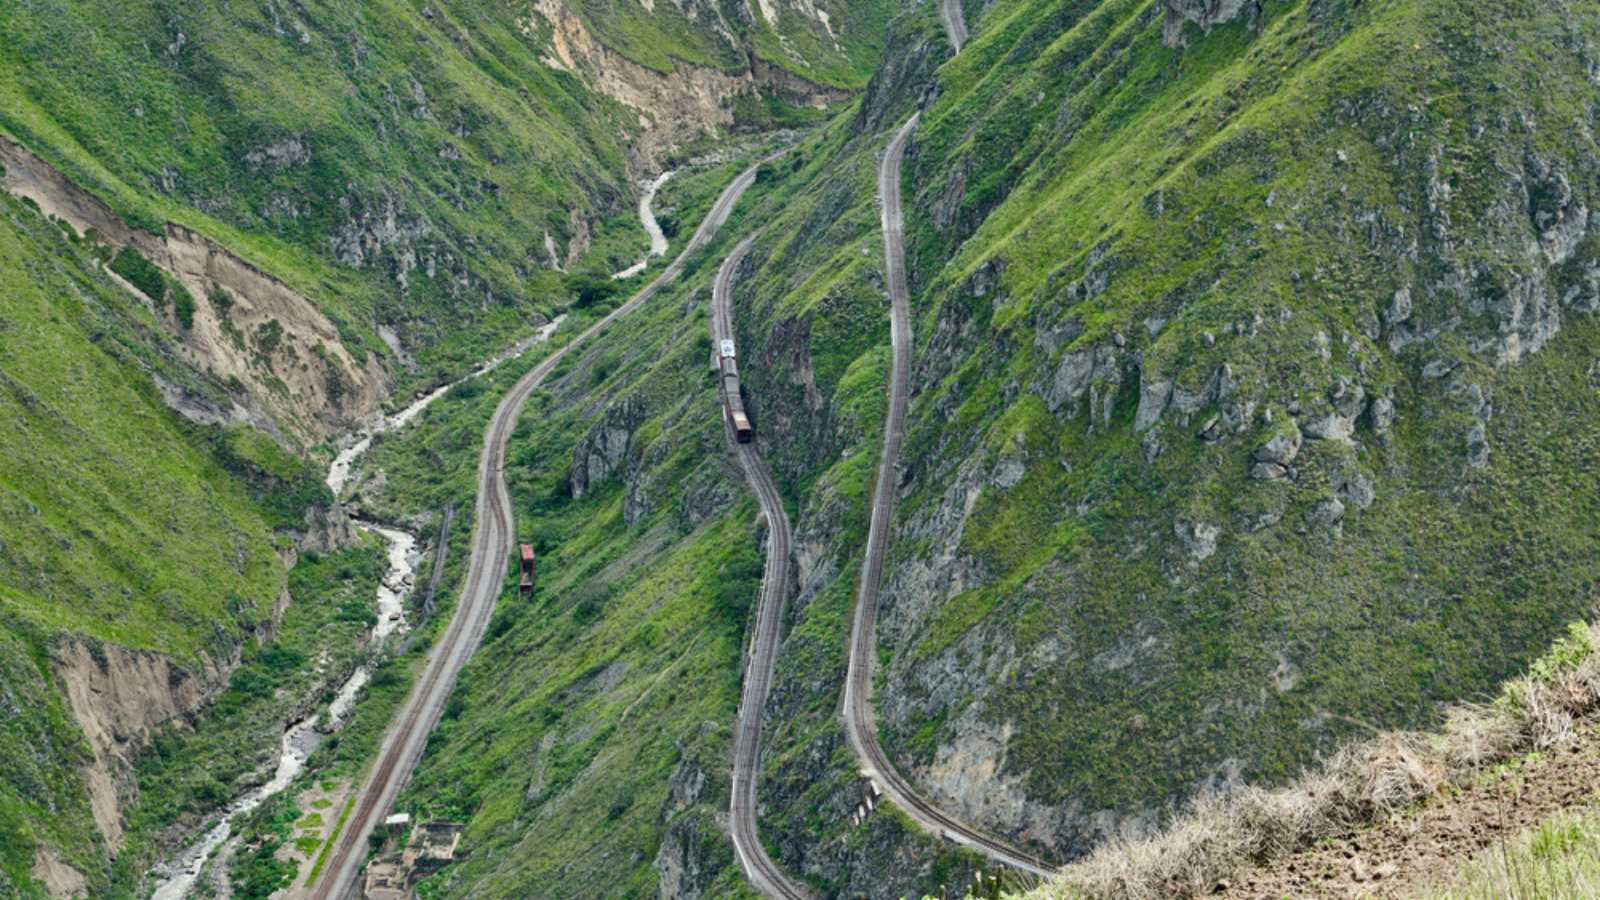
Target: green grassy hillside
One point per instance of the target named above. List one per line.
(126, 524)
(590, 729)
(1255, 401)
(125, 527)
(391, 164)
(833, 44)
(1117, 608)
(1359, 229)
(400, 162)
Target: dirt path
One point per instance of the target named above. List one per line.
(1411, 853)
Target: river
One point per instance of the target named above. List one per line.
(302, 737)
(647, 218)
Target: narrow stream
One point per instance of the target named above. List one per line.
(647, 217)
(339, 471)
(302, 737)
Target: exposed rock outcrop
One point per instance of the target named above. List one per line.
(605, 449)
(248, 327)
(673, 107)
(693, 848)
(119, 697)
(1205, 13)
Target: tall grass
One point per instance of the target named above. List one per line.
(1559, 860)
(1361, 784)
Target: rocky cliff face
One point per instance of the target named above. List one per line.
(1131, 522)
(1195, 455)
(676, 106)
(119, 697)
(1205, 14)
(247, 327)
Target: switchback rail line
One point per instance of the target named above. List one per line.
(492, 539)
(765, 874)
(859, 715)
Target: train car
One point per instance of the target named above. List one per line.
(733, 399)
(528, 564)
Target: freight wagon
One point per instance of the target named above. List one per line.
(732, 396)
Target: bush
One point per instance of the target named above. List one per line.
(279, 660)
(588, 290)
(183, 305)
(141, 273)
(358, 612)
(269, 335)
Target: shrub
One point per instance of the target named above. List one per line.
(222, 300)
(589, 290)
(183, 305)
(269, 335)
(140, 272)
(358, 612)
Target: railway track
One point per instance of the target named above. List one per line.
(859, 715)
(763, 873)
(493, 535)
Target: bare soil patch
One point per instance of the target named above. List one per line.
(1425, 848)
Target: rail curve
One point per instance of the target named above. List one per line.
(859, 715)
(759, 868)
(493, 534)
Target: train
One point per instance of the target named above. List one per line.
(525, 582)
(732, 395)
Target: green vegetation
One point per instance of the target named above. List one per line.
(1356, 229)
(1090, 199)
(42, 801)
(1559, 860)
(399, 165)
(293, 146)
(140, 273)
(187, 773)
(333, 838)
(302, 132)
(152, 537)
(128, 527)
(840, 51)
(255, 871)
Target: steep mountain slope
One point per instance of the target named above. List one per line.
(270, 217)
(139, 556)
(1239, 416)
(1147, 242)
(589, 750)
(1254, 390)
(400, 162)
(1255, 395)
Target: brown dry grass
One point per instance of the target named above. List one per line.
(1363, 783)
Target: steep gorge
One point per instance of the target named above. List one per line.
(271, 299)
(1253, 397)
